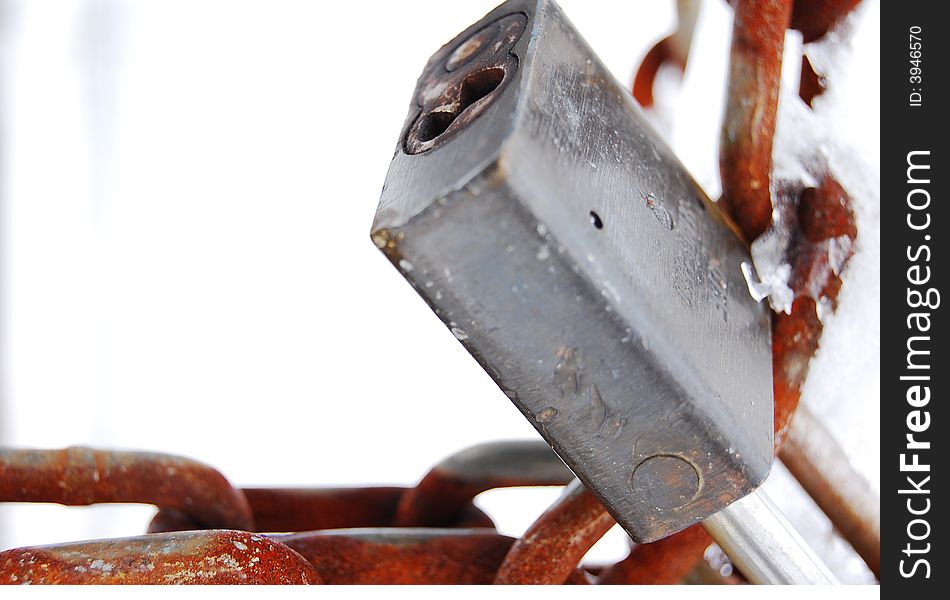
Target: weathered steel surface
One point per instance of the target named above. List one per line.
(83, 476)
(292, 509)
(568, 250)
(192, 557)
(402, 555)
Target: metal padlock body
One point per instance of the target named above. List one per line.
(566, 247)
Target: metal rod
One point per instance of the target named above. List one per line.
(550, 550)
(764, 545)
(820, 465)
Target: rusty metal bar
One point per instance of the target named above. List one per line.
(824, 223)
(193, 557)
(815, 18)
(292, 509)
(442, 496)
(551, 548)
(276, 510)
(755, 74)
(332, 508)
(665, 562)
(813, 456)
(402, 555)
(810, 84)
(83, 476)
(672, 50)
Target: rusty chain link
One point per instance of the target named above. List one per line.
(207, 531)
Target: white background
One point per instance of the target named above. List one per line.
(187, 188)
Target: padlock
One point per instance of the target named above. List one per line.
(556, 235)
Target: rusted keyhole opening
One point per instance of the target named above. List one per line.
(474, 87)
(478, 85)
(433, 125)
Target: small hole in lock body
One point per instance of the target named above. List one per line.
(595, 220)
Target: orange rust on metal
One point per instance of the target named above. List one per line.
(193, 557)
(660, 54)
(811, 85)
(815, 18)
(402, 555)
(337, 508)
(825, 212)
(83, 476)
(306, 510)
(664, 562)
(550, 550)
(672, 50)
(292, 509)
(812, 455)
(579, 576)
(190, 495)
(444, 496)
(826, 231)
(755, 72)
(794, 342)
(746, 163)
(168, 519)
(441, 500)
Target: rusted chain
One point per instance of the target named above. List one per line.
(823, 233)
(813, 456)
(305, 510)
(755, 73)
(402, 555)
(672, 50)
(551, 549)
(191, 495)
(815, 18)
(823, 243)
(450, 486)
(278, 510)
(822, 213)
(811, 84)
(83, 476)
(193, 557)
(665, 562)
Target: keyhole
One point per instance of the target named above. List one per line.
(474, 87)
(434, 124)
(478, 85)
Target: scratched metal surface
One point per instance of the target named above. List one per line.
(633, 347)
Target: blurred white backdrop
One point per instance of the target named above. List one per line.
(187, 188)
